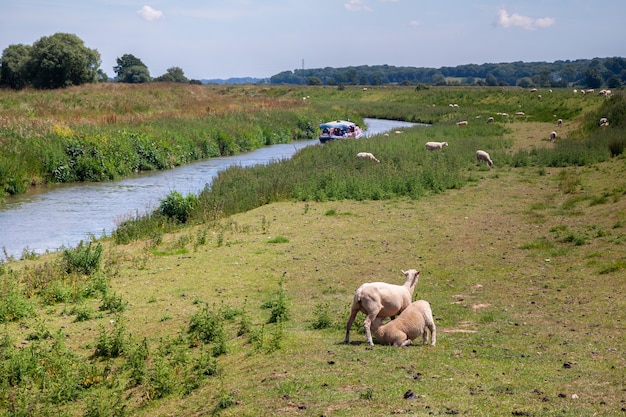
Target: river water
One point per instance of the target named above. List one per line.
(58, 216)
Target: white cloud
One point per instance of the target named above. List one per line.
(507, 20)
(357, 6)
(414, 23)
(149, 14)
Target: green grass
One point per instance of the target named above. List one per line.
(206, 317)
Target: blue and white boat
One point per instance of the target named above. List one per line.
(339, 129)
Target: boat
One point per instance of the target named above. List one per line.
(339, 129)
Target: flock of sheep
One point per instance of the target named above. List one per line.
(481, 155)
(381, 300)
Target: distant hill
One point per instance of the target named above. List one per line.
(241, 80)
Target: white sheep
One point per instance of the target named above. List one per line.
(462, 123)
(559, 122)
(435, 146)
(367, 155)
(552, 136)
(490, 120)
(380, 299)
(603, 121)
(484, 156)
(415, 321)
(520, 113)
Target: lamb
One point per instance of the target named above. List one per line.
(367, 155)
(484, 156)
(435, 146)
(552, 136)
(415, 320)
(380, 299)
(462, 123)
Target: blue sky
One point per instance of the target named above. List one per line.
(260, 38)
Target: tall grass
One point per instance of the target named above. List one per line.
(100, 133)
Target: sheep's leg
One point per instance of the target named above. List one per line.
(368, 332)
(407, 342)
(353, 314)
(433, 335)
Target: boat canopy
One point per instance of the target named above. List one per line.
(341, 124)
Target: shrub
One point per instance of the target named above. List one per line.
(177, 207)
(84, 259)
(206, 325)
(322, 317)
(278, 304)
(112, 344)
(14, 306)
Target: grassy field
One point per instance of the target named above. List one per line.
(245, 315)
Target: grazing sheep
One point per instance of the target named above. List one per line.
(490, 120)
(552, 136)
(520, 113)
(559, 122)
(484, 156)
(603, 121)
(367, 155)
(462, 123)
(380, 299)
(539, 97)
(415, 321)
(435, 146)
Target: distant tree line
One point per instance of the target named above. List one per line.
(591, 73)
(63, 60)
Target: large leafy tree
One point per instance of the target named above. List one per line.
(130, 69)
(593, 79)
(62, 60)
(173, 75)
(13, 72)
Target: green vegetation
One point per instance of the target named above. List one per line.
(234, 301)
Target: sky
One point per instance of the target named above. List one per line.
(219, 39)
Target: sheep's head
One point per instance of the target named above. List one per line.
(412, 276)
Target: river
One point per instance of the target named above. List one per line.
(53, 217)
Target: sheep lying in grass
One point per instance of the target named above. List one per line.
(380, 299)
(367, 155)
(435, 146)
(415, 321)
(484, 156)
(462, 123)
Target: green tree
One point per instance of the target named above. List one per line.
(313, 81)
(173, 75)
(593, 79)
(130, 69)
(13, 70)
(491, 80)
(614, 82)
(62, 60)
